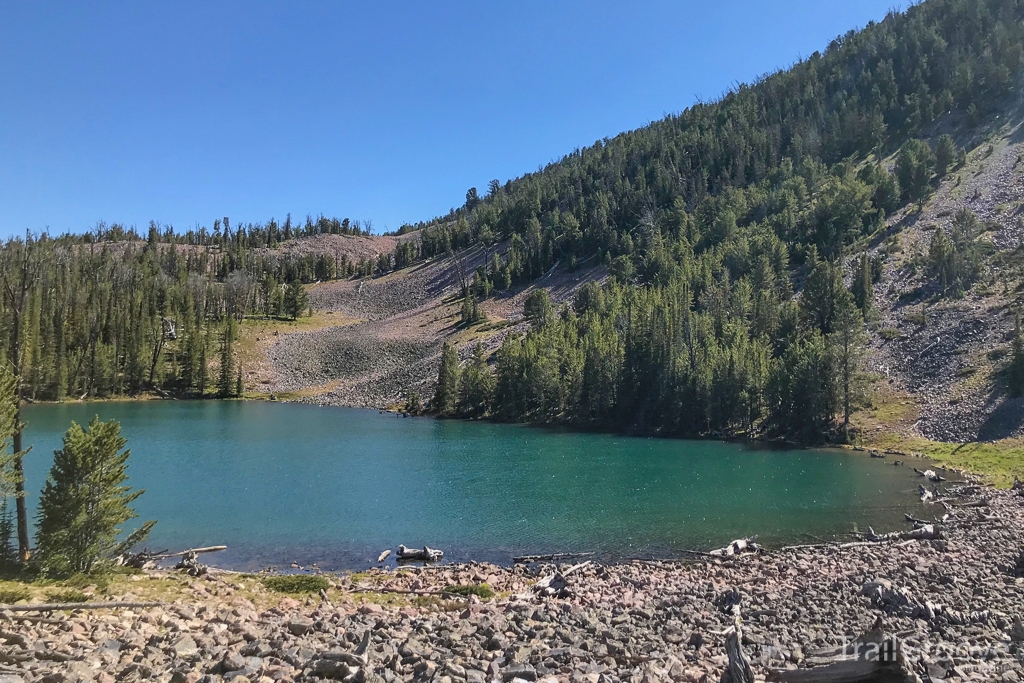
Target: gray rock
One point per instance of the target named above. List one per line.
(300, 626)
(523, 671)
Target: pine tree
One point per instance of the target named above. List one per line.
(296, 300)
(239, 386)
(915, 165)
(470, 313)
(1016, 374)
(9, 425)
(226, 382)
(863, 287)
(447, 391)
(476, 385)
(945, 155)
(201, 383)
(85, 504)
(848, 342)
(537, 307)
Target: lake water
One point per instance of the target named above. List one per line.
(279, 483)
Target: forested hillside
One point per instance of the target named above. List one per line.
(731, 253)
(710, 221)
(113, 313)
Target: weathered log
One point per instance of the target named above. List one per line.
(383, 556)
(525, 559)
(738, 670)
(930, 475)
(872, 658)
(738, 547)
(70, 606)
(193, 551)
(556, 584)
(425, 554)
(925, 494)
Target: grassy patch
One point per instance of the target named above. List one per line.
(298, 583)
(9, 596)
(481, 590)
(885, 423)
(495, 325)
(67, 595)
(257, 334)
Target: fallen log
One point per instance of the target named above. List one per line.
(383, 556)
(526, 559)
(425, 554)
(873, 657)
(70, 606)
(400, 591)
(192, 551)
(738, 547)
(557, 584)
(930, 475)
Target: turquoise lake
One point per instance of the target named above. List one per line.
(279, 483)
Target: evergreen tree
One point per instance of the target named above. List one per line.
(226, 382)
(954, 260)
(915, 166)
(863, 284)
(822, 294)
(945, 155)
(1016, 372)
(471, 313)
(85, 504)
(10, 424)
(239, 386)
(446, 394)
(537, 307)
(476, 385)
(296, 300)
(848, 341)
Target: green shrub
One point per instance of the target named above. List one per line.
(917, 318)
(9, 596)
(68, 595)
(296, 583)
(890, 333)
(481, 590)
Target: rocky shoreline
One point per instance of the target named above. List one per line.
(955, 602)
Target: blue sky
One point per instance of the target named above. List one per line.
(187, 111)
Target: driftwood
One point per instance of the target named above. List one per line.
(901, 602)
(383, 556)
(738, 669)
(872, 658)
(54, 607)
(556, 584)
(425, 554)
(926, 532)
(930, 475)
(524, 559)
(191, 565)
(144, 558)
(193, 551)
(397, 591)
(740, 546)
